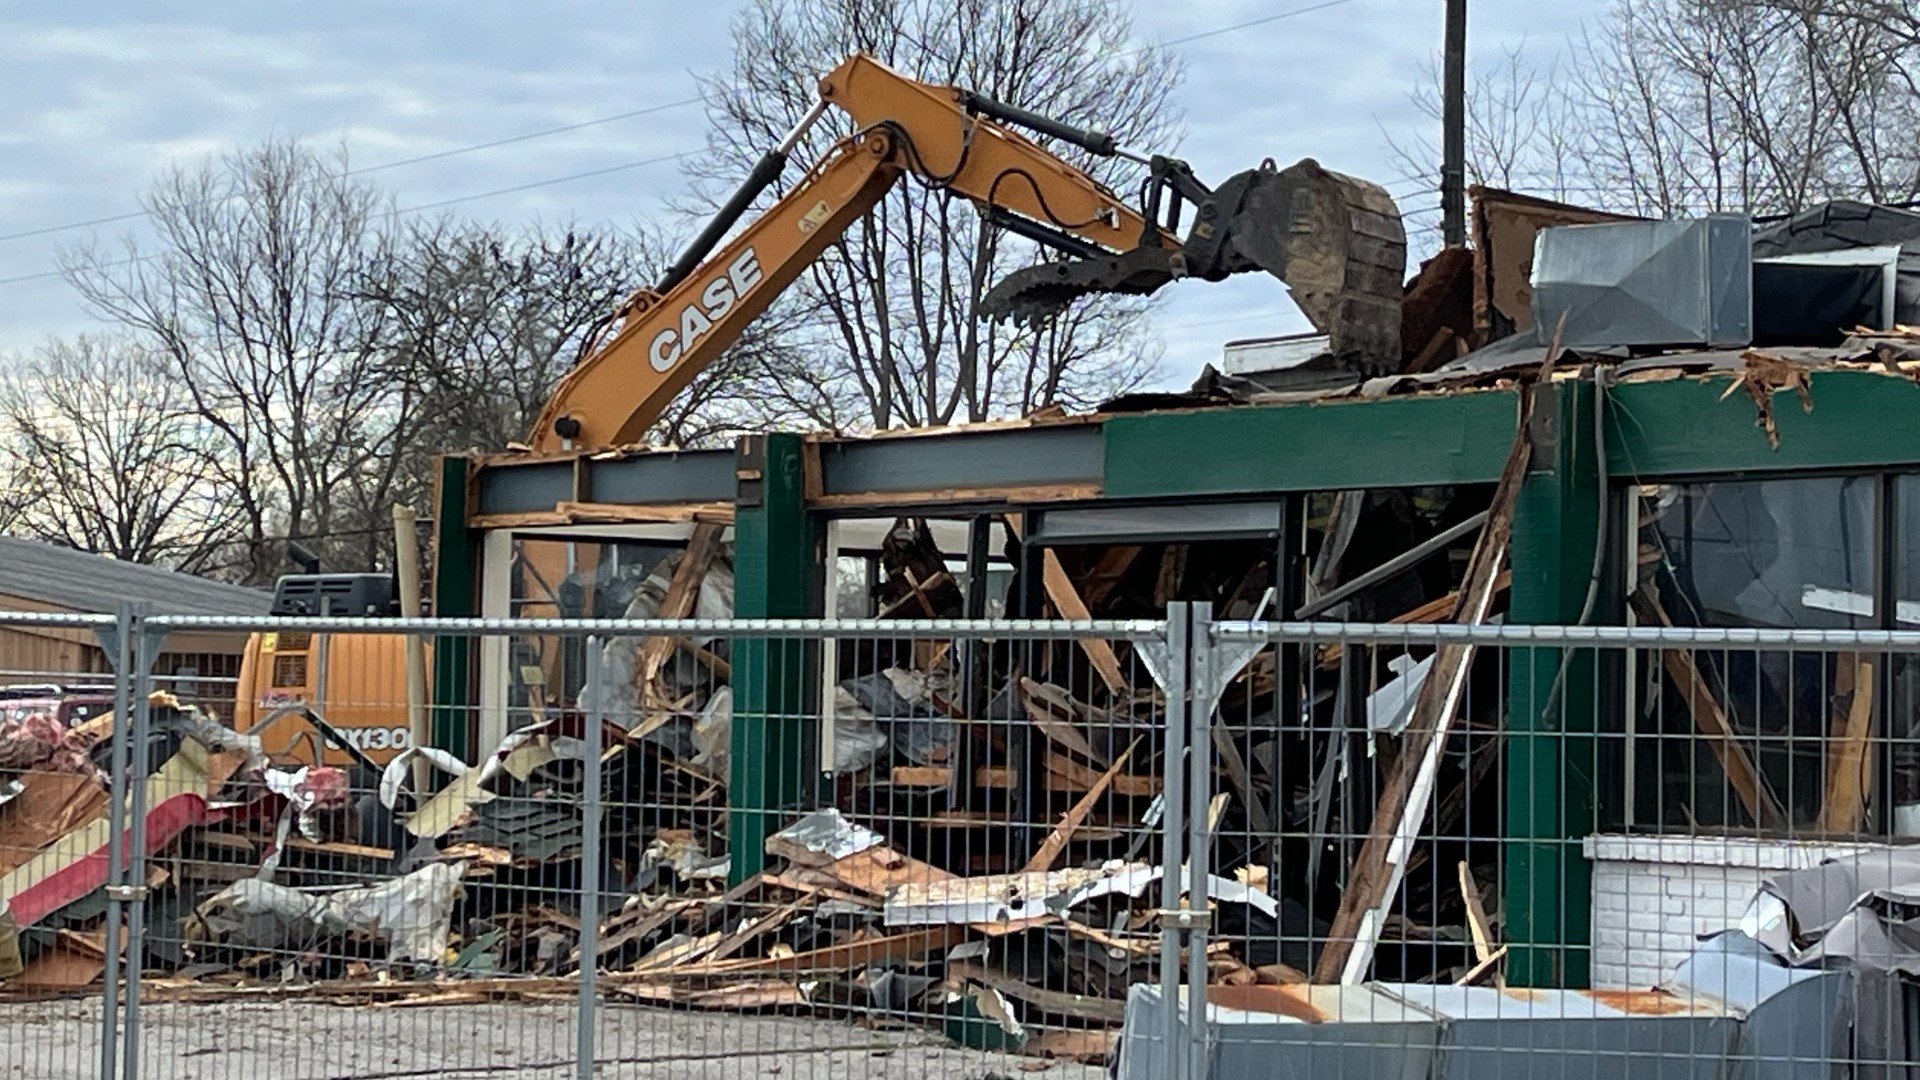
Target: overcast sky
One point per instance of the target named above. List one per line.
(99, 96)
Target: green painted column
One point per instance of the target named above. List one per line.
(1546, 880)
(456, 592)
(775, 567)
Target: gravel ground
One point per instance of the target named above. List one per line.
(305, 1040)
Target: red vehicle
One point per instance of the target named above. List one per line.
(70, 705)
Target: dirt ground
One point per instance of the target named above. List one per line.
(303, 1040)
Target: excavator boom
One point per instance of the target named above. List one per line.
(1337, 241)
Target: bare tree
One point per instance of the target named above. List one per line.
(887, 327)
(1689, 106)
(105, 455)
(1678, 107)
(250, 293)
(482, 323)
(1520, 137)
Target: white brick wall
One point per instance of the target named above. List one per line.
(1653, 897)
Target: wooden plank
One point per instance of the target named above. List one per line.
(1107, 572)
(916, 595)
(683, 592)
(1049, 709)
(797, 882)
(659, 717)
(878, 869)
(773, 920)
(1066, 600)
(1052, 1002)
(1056, 841)
(1042, 493)
(1850, 762)
(928, 776)
(1479, 970)
(1432, 611)
(673, 955)
(1404, 799)
(893, 949)
(613, 938)
(1236, 766)
(813, 483)
(1173, 569)
(340, 848)
(578, 513)
(749, 997)
(1439, 342)
(1477, 924)
(1066, 774)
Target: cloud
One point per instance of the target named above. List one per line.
(105, 95)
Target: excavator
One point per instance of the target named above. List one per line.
(1337, 242)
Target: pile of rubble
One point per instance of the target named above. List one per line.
(988, 861)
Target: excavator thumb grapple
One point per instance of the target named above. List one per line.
(1336, 241)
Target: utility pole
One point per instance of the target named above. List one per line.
(1453, 117)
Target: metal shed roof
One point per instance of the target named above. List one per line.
(79, 581)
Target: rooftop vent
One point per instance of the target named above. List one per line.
(1646, 283)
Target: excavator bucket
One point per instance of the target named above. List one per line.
(1336, 241)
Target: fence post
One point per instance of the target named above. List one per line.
(134, 888)
(590, 798)
(120, 646)
(1173, 834)
(1202, 693)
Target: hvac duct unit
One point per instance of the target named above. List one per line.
(1646, 283)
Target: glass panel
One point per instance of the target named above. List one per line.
(1787, 553)
(590, 579)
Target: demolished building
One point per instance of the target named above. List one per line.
(800, 824)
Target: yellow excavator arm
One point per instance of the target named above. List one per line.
(667, 335)
(1341, 238)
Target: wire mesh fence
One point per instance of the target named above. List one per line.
(1179, 848)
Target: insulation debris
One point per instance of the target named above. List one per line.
(408, 916)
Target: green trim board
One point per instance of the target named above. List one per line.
(1458, 438)
(775, 564)
(1693, 426)
(456, 594)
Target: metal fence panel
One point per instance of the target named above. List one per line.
(921, 848)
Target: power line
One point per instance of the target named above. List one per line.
(1262, 21)
(435, 156)
(543, 183)
(412, 209)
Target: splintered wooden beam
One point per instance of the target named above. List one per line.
(683, 592)
(1433, 611)
(1850, 762)
(1476, 914)
(1236, 766)
(1056, 841)
(1051, 710)
(1712, 722)
(1108, 572)
(1408, 792)
(1066, 600)
(917, 595)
